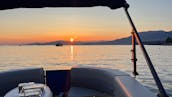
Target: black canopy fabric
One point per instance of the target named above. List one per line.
(10, 4)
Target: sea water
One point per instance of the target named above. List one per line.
(104, 56)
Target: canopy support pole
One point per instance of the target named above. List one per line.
(162, 92)
(134, 59)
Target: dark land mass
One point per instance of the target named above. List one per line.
(149, 38)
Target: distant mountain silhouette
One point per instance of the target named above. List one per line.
(50, 43)
(148, 37)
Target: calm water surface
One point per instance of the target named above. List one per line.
(106, 56)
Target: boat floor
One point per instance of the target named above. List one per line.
(84, 92)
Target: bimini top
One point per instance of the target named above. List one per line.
(10, 4)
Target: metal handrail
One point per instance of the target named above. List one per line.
(162, 92)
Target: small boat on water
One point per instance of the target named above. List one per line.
(76, 81)
(59, 44)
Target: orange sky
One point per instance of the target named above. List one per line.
(46, 37)
(44, 25)
(83, 24)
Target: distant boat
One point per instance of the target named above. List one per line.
(59, 44)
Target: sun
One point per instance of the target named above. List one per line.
(71, 39)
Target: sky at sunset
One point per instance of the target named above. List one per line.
(83, 24)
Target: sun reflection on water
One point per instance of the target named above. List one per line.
(71, 53)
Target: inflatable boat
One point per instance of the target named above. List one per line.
(74, 82)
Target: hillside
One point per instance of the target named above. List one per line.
(148, 37)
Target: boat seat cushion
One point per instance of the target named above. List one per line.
(85, 92)
(99, 79)
(11, 79)
(126, 86)
(109, 81)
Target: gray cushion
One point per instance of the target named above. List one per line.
(95, 78)
(126, 86)
(109, 81)
(11, 79)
